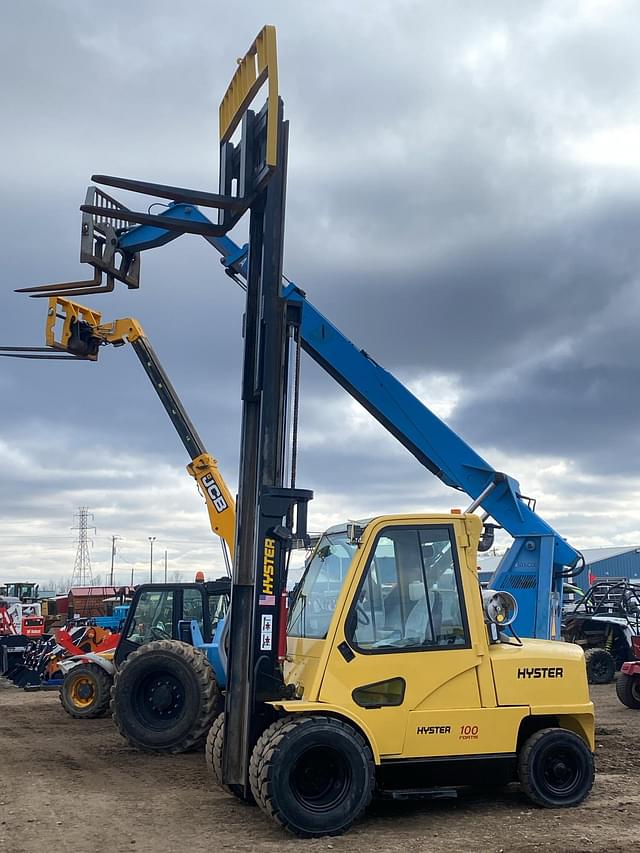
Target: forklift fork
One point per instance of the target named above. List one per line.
(70, 334)
(103, 220)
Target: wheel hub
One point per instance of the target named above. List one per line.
(320, 779)
(82, 692)
(164, 696)
(160, 698)
(601, 669)
(561, 771)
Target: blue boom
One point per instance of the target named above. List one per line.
(539, 558)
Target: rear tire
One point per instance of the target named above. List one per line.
(213, 756)
(85, 691)
(556, 768)
(628, 690)
(601, 666)
(313, 775)
(164, 697)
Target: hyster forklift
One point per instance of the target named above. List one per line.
(397, 675)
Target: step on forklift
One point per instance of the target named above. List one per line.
(397, 676)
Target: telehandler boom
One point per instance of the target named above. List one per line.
(80, 332)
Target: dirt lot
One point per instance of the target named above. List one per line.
(71, 785)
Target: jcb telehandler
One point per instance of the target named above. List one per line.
(151, 709)
(161, 683)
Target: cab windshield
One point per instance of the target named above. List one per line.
(320, 586)
(152, 618)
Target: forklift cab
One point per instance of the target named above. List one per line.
(164, 612)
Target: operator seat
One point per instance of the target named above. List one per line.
(417, 626)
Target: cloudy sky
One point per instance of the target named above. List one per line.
(463, 202)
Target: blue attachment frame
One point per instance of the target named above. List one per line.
(211, 650)
(532, 568)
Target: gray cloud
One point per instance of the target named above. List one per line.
(441, 210)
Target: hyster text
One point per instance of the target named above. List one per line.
(540, 672)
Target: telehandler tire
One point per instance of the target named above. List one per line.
(85, 691)
(628, 690)
(164, 697)
(556, 768)
(313, 775)
(213, 756)
(601, 666)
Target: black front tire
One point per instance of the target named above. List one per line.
(164, 697)
(556, 768)
(213, 756)
(85, 691)
(313, 775)
(601, 666)
(628, 690)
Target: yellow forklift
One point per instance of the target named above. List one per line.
(396, 674)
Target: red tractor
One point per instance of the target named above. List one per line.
(20, 624)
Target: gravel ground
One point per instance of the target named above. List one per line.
(73, 785)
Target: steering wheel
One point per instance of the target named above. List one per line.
(362, 613)
(159, 632)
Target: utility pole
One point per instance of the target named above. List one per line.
(82, 565)
(152, 539)
(132, 571)
(113, 557)
(165, 566)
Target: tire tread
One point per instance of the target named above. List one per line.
(624, 690)
(595, 652)
(209, 707)
(104, 681)
(266, 749)
(524, 759)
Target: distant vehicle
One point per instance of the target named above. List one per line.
(605, 622)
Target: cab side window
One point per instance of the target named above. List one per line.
(192, 606)
(217, 608)
(410, 596)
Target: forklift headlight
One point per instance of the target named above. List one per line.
(501, 608)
